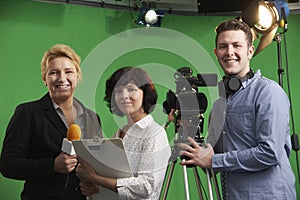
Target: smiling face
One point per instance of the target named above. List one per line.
(61, 79)
(129, 99)
(233, 52)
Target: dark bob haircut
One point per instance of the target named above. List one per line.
(134, 75)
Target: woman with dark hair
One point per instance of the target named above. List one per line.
(135, 76)
(131, 93)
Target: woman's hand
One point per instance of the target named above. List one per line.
(88, 188)
(65, 163)
(85, 172)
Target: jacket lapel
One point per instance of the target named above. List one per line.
(52, 115)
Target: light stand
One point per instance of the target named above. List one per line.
(280, 71)
(294, 136)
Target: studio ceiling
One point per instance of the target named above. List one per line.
(188, 7)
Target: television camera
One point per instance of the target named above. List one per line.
(185, 108)
(188, 105)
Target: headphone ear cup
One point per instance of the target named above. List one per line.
(232, 84)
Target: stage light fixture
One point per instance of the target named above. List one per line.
(149, 15)
(264, 17)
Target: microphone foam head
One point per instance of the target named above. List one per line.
(74, 132)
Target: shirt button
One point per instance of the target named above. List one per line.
(224, 132)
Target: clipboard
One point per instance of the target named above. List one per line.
(108, 158)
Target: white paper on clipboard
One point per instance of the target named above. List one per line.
(108, 158)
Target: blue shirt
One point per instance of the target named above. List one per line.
(251, 152)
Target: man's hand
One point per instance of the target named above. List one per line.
(199, 155)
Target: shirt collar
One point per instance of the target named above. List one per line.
(76, 104)
(143, 123)
(248, 81)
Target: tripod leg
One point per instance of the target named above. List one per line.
(167, 180)
(209, 185)
(215, 184)
(186, 184)
(198, 183)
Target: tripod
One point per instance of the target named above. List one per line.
(209, 172)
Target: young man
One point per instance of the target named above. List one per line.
(252, 151)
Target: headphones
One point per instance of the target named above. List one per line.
(233, 83)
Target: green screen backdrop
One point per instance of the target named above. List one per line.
(107, 39)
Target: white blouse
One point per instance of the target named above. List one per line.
(148, 151)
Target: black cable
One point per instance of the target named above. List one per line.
(130, 11)
(294, 137)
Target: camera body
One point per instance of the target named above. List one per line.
(187, 100)
(188, 104)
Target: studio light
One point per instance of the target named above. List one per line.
(149, 15)
(264, 17)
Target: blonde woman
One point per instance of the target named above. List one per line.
(32, 145)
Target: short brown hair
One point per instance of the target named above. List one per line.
(234, 24)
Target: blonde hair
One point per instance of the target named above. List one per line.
(60, 50)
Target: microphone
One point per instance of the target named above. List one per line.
(73, 133)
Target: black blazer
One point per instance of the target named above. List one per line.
(33, 140)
